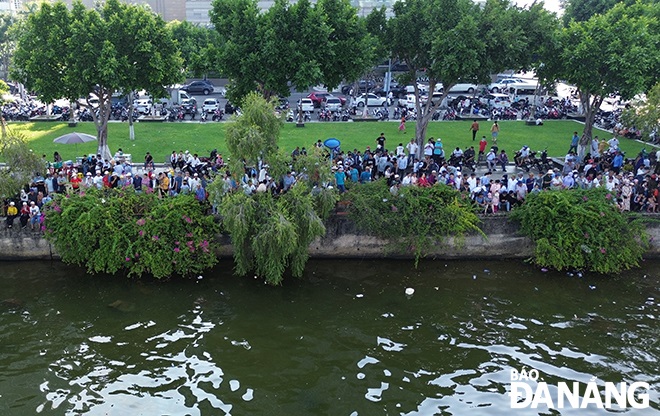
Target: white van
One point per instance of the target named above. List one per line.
(519, 92)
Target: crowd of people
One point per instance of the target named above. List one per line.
(632, 183)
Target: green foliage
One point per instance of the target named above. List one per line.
(64, 53)
(581, 229)
(254, 134)
(417, 218)
(22, 164)
(291, 42)
(644, 115)
(270, 233)
(614, 52)
(138, 233)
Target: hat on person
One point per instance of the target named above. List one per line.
(196, 174)
(550, 171)
(12, 203)
(24, 203)
(88, 174)
(129, 174)
(32, 202)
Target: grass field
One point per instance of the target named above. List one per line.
(161, 138)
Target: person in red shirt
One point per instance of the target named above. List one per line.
(75, 182)
(482, 147)
(106, 179)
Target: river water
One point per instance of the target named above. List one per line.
(344, 340)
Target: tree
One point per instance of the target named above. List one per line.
(612, 53)
(198, 46)
(297, 44)
(457, 40)
(270, 232)
(7, 42)
(645, 114)
(73, 54)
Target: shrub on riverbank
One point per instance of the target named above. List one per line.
(416, 218)
(581, 229)
(119, 230)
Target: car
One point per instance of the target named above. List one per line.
(189, 105)
(363, 87)
(318, 97)
(372, 100)
(196, 87)
(504, 84)
(333, 103)
(306, 104)
(143, 105)
(408, 101)
(210, 105)
(497, 100)
(464, 87)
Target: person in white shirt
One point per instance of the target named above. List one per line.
(400, 151)
(412, 149)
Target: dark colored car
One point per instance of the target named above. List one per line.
(199, 87)
(363, 87)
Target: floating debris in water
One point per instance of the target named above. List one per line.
(200, 277)
(543, 269)
(592, 287)
(410, 291)
(474, 277)
(579, 274)
(486, 271)
(569, 274)
(359, 295)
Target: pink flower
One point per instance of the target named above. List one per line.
(608, 196)
(155, 238)
(188, 234)
(141, 233)
(141, 221)
(602, 250)
(176, 242)
(176, 249)
(57, 208)
(586, 235)
(602, 214)
(584, 198)
(187, 219)
(128, 259)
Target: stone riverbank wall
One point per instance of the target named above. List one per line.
(342, 240)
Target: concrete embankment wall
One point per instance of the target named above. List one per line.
(342, 240)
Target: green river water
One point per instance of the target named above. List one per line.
(344, 340)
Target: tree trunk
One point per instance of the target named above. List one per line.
(590, 105)
(131, 130)
(102, 135)
(425, 113)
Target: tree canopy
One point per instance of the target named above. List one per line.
(455, 41)
(70, 54)
(290, 44)
(611, 53)
(198, 46)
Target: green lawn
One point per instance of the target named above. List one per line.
(161, 138)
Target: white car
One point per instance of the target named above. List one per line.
(143, 105)
(372, 100)
(332, 104)
(210, 105)
(409, 101)
(464, 87)
(496, 100)
(504, 84)
(306, 104)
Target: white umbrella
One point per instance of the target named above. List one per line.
(75, 138)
